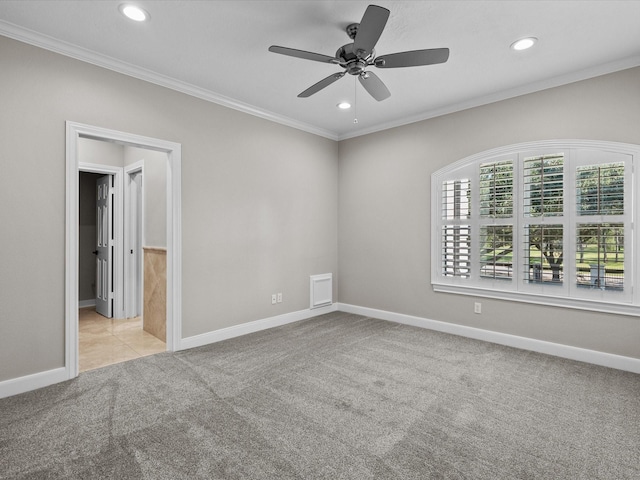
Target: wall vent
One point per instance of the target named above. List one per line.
(321, 290)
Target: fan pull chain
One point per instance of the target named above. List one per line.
(355, 100)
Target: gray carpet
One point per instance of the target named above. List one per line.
(335, 397)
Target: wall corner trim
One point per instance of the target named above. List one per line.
(595, 357)
(34, 381)
(252, 327)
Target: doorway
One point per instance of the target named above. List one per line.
(172, 216)
(106, 335)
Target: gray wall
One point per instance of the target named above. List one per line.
(100, 152)
(384, 211)
(155, 193)
(259, 200)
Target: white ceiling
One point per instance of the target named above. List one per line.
(217, 50)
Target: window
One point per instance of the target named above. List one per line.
(545, 222)
(600, 255)
(543, 185)
(496, 189)
(600, 189)
(496, 251)
(543, 257)
(456, 233)
(495, 183)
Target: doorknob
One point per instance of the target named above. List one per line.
(95, 252)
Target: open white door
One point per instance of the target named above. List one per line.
(133, 243)
(105, 244)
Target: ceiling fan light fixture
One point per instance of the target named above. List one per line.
(524, 43)
(134, 12)
(344, 105)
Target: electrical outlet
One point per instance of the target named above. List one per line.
(477, 307)
(274, 299)
(279, 297)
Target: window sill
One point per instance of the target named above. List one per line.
(545, 300)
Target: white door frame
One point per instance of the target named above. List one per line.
(75, 131)
(118, 307)
(130, 267)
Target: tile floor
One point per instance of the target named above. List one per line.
(105, 341)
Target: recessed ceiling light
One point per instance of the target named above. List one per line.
(344, 105)
(134, 13)
(524, 43)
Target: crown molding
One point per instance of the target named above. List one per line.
(64, 48)
(558, 81)
(67, 49)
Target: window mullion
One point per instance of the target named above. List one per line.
(475, 224)
(570, 223)
(518, 207)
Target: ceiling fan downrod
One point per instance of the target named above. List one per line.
(352, 30)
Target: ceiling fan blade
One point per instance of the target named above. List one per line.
(372, 84)
(321, 84)
(370, 29)
(414, 58)
(292, 52)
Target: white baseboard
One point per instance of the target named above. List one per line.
(251, 327)
(610, 360)
(19, 385)
(27, 383)
(86, 303)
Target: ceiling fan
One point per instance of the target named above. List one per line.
(356, 57)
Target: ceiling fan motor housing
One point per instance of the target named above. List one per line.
(353, 63)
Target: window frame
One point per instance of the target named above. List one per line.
(576, 153)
